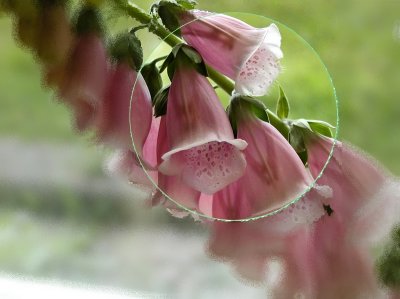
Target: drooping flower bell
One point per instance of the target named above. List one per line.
(274, 176)
(124, 118)
(126, 105)
(201, 146)
(353, 177)
(173, 185)
(85, 76)
(55, 35)
(246, 54)
(138, 166)
(364, 208)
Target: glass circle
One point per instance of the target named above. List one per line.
(312, 96)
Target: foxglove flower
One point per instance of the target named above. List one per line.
(366, 204)
(274, 175)
(173, 186)
(250, 246)
(55, 37)
(125, 162)
(352, 175)
(201, 147)
(87, 71)
(85, 77)
(112, 115)
(248, 55)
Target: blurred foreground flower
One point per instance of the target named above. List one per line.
(335, 256)
(84, 78)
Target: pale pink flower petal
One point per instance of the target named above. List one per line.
(112, 118)
(353, 177)
(86, 73)
(201, 145)
(248, 55)
(274, 176)
(173, 185)
(126, 163)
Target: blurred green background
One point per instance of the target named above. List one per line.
(62, 217)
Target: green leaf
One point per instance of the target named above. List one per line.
(161, 101)
(192, 54)
(303, 156)
(88, 20)
(321, 122)
(126, 47)
(152, 77)
(168, 12)
(166, 62)
(188, 4)
(283, 108)
(321, 127)
(296, 139)
(388, 265)
(301, 123)
(278, 124)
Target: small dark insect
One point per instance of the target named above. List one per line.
(328, 210)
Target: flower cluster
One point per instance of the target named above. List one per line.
(178, 141)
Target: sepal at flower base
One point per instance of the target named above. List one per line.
(169, 11)
(127, 48)
(283, 107)
(184, 54)
(152, 76)
(160, 102)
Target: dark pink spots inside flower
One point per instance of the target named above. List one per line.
(258, 72)
(212, 166)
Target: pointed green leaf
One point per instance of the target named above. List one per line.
(321, 127)
(303, 156)
(301, 123)
(188, 4)
(296, 139)
(283, 108)
(161, 101)
(321, 122)
(126, 47)
(152, 77)
(88, 20)
(192, 54)
(168, 11)
(278, 124)
(166, 62)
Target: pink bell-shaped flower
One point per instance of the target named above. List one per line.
(201, 147)
(173, 186)
(274, 176)
(246, 54)
(125, 162)
(353, 177)
(112, 115)
(86, 73)
(84, 78)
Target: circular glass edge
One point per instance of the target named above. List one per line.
(283, 207)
